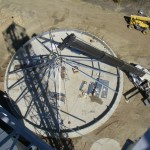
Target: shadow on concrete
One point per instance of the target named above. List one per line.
(45, 114)
(41, 104)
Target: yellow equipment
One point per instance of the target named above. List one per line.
(141, 23)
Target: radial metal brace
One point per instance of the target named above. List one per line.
(71, 41)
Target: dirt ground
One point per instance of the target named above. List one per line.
(105, 19)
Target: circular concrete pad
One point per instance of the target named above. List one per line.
(106, 144)
(62, 93)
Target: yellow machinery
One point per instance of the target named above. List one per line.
(141, 23)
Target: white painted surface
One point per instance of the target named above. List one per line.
(106, 144)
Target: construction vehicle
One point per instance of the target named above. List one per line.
(141, 23)
(139, 76)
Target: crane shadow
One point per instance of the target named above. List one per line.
(15, 36)
(40, 103)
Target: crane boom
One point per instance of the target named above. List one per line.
(142, 18)
(92, 52)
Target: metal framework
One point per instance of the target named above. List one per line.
(42, 83)
(19, 130)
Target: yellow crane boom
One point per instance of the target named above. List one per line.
(142, 18)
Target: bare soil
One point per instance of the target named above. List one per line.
(105, 19)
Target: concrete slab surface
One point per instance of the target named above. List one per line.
(104, 19)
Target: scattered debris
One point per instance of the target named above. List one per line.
(75, 69)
